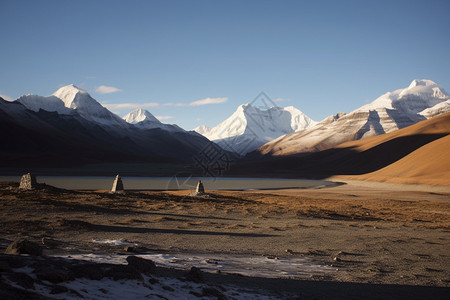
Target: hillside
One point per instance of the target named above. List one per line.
(421, 100)
(418, 153)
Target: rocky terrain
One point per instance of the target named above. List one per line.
(354, 240)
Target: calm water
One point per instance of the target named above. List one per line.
(173, 183)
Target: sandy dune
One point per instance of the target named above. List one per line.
(429, 164)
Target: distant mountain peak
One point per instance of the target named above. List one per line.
(71, 99)
(391, 111)
(143, 119)
(140, 115)
(251, 126)
(421, 82)
(70, 89)
(73, 96)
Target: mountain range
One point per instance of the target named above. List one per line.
(70, 128)
(250, 127)
(419, 153)
(421, 100)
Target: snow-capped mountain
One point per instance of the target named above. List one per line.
(422, 99)
(438, 109)
(140, 115)
(145, 120)
(250, 127)
(70, 99)
(70, 128)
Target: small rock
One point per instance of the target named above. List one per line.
(195, 275)
(140, 264)
(289, 251)
(337, 259)
(135, 249)
(117, 185)
(200, 189)
(129, 249)
(28, 182)
(23, 246)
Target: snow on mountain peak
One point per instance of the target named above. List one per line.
(391, 111)
(419, 95)
(72, 96)
(203, 130)
(70, 99)
(421, 82)
(251, 126)
(86, 106)
(143, 119)
(140, 115)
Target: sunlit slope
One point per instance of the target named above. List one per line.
(429, 164)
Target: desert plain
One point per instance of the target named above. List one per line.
(377, 240)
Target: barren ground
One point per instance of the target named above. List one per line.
(369, 233)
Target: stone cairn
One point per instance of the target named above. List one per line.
(28, 182)
(117, 185)
(199, 190)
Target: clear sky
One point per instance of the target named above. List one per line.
(322, 57)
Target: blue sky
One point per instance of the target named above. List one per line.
(322, 57)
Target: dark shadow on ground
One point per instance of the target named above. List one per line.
(188, 216)
(128, 229)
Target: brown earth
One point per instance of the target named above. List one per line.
(370, 233)
(429, 164)
(417, 154)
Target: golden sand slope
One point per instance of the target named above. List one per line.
(430, 164)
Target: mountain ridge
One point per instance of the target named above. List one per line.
(143, 119)
(68, 100)
(391, 111)
(42, 132)
(250, 127)
(415, 154)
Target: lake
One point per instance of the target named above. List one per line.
(174, 183)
